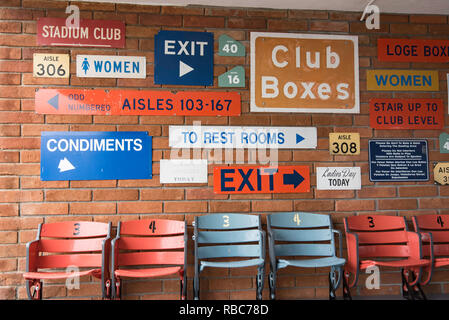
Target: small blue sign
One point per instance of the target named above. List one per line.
(95, 155)
(398, 160)
(184, 58)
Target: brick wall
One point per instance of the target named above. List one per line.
(25, 201)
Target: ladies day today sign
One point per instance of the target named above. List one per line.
(304, 73)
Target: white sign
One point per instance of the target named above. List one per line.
(183, 171)
(91, 66)
(51, 65)
(338, 178)
(242, 137)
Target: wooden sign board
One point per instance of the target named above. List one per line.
(441, 173)
(402, 80)
(347, 144)
(413, 50)
(51, 65)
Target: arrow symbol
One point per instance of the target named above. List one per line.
(293, 178)
(65, 165)
(184, 68)
(54, 102)
(299, 138)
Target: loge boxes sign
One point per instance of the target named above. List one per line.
(304, 73)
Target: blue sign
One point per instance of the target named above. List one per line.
(398, 160)
(95, 155)
(184, 58)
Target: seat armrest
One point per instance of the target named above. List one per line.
(262, 239)
(32, 255)
(271, 251)
(340, 242)
(414, 242)
(352, 244)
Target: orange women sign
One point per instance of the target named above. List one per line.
(413, 50)
(136, 102)
(304, 73)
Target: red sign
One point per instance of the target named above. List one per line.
(257, 179)
(136, 102)
(406, 113)
(90, 33)
(413, 50)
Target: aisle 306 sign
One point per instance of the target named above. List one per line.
(51, 65)
(341, 143)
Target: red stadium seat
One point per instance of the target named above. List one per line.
(81, 244)
(383, 241)
(149, 248)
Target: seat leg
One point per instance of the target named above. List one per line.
(272, 285)
(37, 293)
(196, 287)
(417, 290)
(332, 295)
(107, 290)
(407, 291)
(118, 291)
(346, 291)
(260, 282)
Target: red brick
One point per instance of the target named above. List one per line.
(162, 194)
(204, 22)
(10, 53)
(397, 204)
(156, 20)
(93, 208)
(333, 26)
(44, 208)
(68, 195)
(230, 206)
(9, 210)
(272, 205)
(185, 206)
(118, 195)
(241, 23)
(287, 25)
(354, 205)
(139, 207)
(10, 27)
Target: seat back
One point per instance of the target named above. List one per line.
(72, 243)
(227, 236)
(301, 234)
(438, 225)
(151, 242)
(379, 236)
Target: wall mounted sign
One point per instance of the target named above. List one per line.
(136, 102)
(234, 78)
(51, 65)
(95, 155)
(304, 73)
(398, 160)
(255, 179)
(402, 80)
(447, 81)
(343, 143)
(91, 33)
(406, 114)
(229, 47)
(444, 143)
(183, 171)
(93, 66)
(242, 137)
(338, 178)
(184, 58)
(413, 50)
(441, 173)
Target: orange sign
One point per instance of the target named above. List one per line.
(304, 73)
(135, 102)
(413, 50)
(406, 113)
(256, 179)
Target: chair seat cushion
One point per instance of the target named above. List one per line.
(312, 263)
(232, 264)
(410, 262)
(61, 275)
(147, 273)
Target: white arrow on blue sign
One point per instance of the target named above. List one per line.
(242, 137)
(183, 58)
(95, 155)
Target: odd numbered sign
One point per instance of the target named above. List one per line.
(184, 58)
(341, 143)
(441, 173)
(95, 155)
(51, 65)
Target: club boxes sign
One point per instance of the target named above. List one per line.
(338, 178)
(90, 33)
(406, 114)
(91, 66)
(304, 73)
(413, 50)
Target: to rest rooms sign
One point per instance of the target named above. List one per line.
(304, 73)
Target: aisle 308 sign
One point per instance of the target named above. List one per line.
(341, 143)
(50, 65)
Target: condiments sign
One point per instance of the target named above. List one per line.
(304, 73)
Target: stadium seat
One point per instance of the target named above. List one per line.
(218, 237)
(82, 246)
(295, 237)
(149, 248)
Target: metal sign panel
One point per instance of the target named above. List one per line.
(413, 50)
(338, 178)
(90, 33)
(406, 114)
(258, 179)
(444, 142)
(398, 160)
(344, 143)
(51, 65)
(234, 78)
(402, 80)
(136, 102)
(184, 58)
(183, 171)
(94, 66)
(95, 155)
(441, 173)
(304, 73)
(242, 137)
(229, 47)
